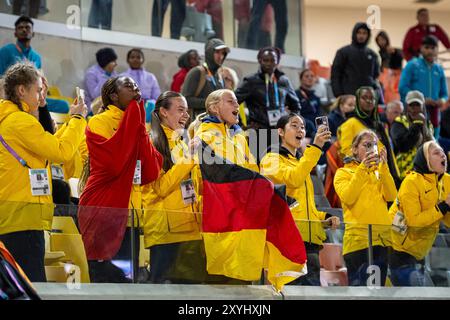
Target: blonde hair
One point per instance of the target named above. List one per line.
(233, 76)
(214, 98)
(357, 139)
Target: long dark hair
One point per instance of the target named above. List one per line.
(159, 138)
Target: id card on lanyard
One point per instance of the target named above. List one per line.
(273, 115)
(57, 172)
(39, 182)
(188, 191)
(137, 173)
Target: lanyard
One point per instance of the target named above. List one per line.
(13, 153)
(27, 56)
(213, 79)
(275, 89)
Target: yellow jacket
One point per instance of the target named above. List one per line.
(105, 124)
(284, 168)
(233, 148)
(364, 200)
(418, 196)
(19, 210)
(167, 219)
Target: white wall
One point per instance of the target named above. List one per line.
(326, 29)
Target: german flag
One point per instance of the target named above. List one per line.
(247, 225)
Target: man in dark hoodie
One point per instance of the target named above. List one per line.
(186, 62)
(204, 79)
(355, 65)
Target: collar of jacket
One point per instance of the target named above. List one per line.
(234, 129)
(278, 74)
(115, 111)
(173, 137)
(282, 151)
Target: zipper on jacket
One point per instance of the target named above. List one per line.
(307, 212)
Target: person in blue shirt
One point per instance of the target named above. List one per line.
(21, 50)
(425, 75)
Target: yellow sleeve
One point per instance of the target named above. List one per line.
(293, 177)
(169, 181)
(345, 135)
(56, 149)
(389, 188)
(409, 197)
(349, 186)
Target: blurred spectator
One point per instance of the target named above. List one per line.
(444, 138)
(391, 67)
(322, 85)
(146, 81)
(394, 109)
(214, 9)
(177, 15)
(268, 94)
(186, 62)
(230, 78)
(99, 73)
(355, 65)
(31, 7)
(415, 35)
(202, 80)
(100, 15)
(281, 21)
(21, 50)
(427, 76)
(410, 131)
(241, 11)
(308, 100)
(340, 110)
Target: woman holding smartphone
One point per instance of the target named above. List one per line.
(364, 186)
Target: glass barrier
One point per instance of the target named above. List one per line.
(240, 23)
(99, 245)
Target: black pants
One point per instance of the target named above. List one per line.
(107, 272)
(406, 270)
(281, 21)
(178, 13)
(100, 15)
(32, 8)
(28, 248)
(184, 263)
(357, 264)
(312, 278)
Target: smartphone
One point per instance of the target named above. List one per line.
(372, 147)
(322, 121)
(80, 94)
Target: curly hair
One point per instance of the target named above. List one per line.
(21, 73)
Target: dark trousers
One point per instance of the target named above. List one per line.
(100, 15)
(281, 21)
(312, 278)
(28, 248)
(406, 271)
(32, 8)
(357, 264)
(178, 13)
(107, 272)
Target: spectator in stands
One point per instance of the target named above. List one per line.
(365, 117)
(308, 100)
(177, 15)
(230, 78)
(21, 50)
(268, 94)
(186, 62)
(171, 230)
(410, 131)
(98, 74)
(145, 80)
(423, 202)
(413, 38)
(322, 86)
(427, 76)
(286, 164)
(214, 9)
(444, 137)
(281, 22)
(121, 161)
(364, 186)
(394, 109)
(100, 14)
(391, 67)
(31, 7)
(341, 108)
(202, 80)
(25, 193)
(355, 65)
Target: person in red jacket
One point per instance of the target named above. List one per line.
(186, 62)
(414, 36)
